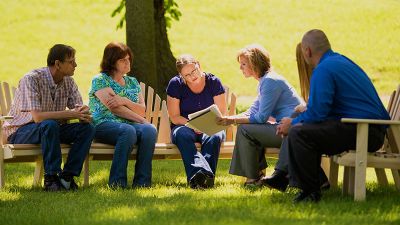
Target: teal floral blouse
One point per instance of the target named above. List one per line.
(100, 112)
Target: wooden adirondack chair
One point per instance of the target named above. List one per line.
(356, 162)
(156, 113)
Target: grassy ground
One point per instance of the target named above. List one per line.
(367, 31)
(171, 202)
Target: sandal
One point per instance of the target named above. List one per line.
(253, 182)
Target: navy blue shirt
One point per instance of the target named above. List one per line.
(191, 102)
(339, 88)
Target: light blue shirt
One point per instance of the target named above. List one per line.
(276, 98)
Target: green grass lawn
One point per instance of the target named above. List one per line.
(367, 31)
(170, 201)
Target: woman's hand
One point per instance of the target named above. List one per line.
(115, 101)
(197, 131)
(300, 108)
(225, 121)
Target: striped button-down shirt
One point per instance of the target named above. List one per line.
(37, 91)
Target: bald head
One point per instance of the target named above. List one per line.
(317, 41)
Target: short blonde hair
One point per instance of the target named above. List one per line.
(258, 57)
(183, 60)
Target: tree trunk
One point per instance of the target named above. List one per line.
(146, 35)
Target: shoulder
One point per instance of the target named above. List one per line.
(176, 81)
(131, 79)
(70, 81)
(271, 78)
(331, 62)
(211, 77)
(37, 73)
(99, 77)
(213, 80)
(34, 76)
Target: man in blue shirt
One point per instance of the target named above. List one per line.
(339, 88)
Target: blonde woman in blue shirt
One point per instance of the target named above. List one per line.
(276, 98)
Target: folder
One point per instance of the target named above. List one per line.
(205, 120)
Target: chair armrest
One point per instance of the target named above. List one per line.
(370, 121)
(3, 118)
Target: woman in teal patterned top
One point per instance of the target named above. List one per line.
(118, 110)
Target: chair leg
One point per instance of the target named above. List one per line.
(325, 164)
(38, 175)
(351, 187)
(333, 172)
(381, 177)
(86, 172)
(346, 180)
(361, 162)
(396, 178)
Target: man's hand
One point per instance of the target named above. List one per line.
(82, 113)
(115, 101)
(284, 126)
(82, 108)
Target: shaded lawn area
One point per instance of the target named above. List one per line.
(170, 201)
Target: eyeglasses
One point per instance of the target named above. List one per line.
(71, 61)
(191, 74)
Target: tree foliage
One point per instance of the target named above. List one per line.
(171, 13)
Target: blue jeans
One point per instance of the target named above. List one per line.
(124, 136)
(49, 133)
(185, 138)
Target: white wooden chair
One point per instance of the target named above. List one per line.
(156, 113)
(356, 162)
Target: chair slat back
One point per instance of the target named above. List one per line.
(3, 103)
(227, 96)
(13, 89)
(156, 112)
(149, 103)
(395, 111)
(164, 130)
(393, 133)
(390, 104)
(231, 131)
(143, 89)
(7, 94)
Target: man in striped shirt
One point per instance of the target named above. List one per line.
(45, 101)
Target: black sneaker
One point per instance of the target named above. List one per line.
(52, 183)
(325, 186)
(278, 180)
(68, 182)
(304, 196)
(209, 182)
(198, 180)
